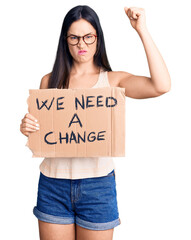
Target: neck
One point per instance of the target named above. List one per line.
(84, 68)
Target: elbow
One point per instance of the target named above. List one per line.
(164, 89)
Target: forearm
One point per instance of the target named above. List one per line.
(158, 70)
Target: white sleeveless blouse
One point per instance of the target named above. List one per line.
(83, 167)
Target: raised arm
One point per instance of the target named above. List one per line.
(142, 86)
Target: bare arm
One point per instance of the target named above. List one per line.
(142, 86)
(137, 86)
(44, 81)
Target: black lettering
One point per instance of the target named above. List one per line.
(87, 102)
(61, 138)
(99, 136)
(72, 137)
(78, 121)
(107, 105)
(78, 102)
(99, 105)
(93, 138)
(83, 139)
(44, 104)
(45, 139)
(58, 108)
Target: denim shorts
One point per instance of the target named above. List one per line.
(89, 202)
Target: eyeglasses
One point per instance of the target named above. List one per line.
(88, 39)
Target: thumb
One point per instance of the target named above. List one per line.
(126, 9)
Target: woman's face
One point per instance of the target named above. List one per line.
(82, 27)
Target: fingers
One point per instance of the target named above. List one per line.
(132, 13)
(31, 117)
(126, 9)
(29, 127)
(26, 129)
(29, 124)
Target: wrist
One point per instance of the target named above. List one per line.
(142, 31)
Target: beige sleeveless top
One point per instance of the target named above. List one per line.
(75, 168)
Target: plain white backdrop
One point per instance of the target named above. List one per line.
(153, 180)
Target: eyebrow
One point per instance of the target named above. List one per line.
(77, 35)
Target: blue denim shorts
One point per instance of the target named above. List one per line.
(89, 202)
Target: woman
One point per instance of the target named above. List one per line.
(66, 193)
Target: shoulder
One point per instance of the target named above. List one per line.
(115, 77)
(44, 81)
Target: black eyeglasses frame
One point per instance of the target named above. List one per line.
(82, 38)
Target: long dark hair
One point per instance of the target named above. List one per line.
(59, 76)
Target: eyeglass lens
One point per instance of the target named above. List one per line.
(89, 39)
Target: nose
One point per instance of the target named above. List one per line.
(81, 41)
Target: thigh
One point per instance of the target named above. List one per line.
(96, 206)
(86, 234)
(51, 231)
(54, 201)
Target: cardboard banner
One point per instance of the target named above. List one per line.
(78, 122)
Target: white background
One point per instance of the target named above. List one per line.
(153, 180)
